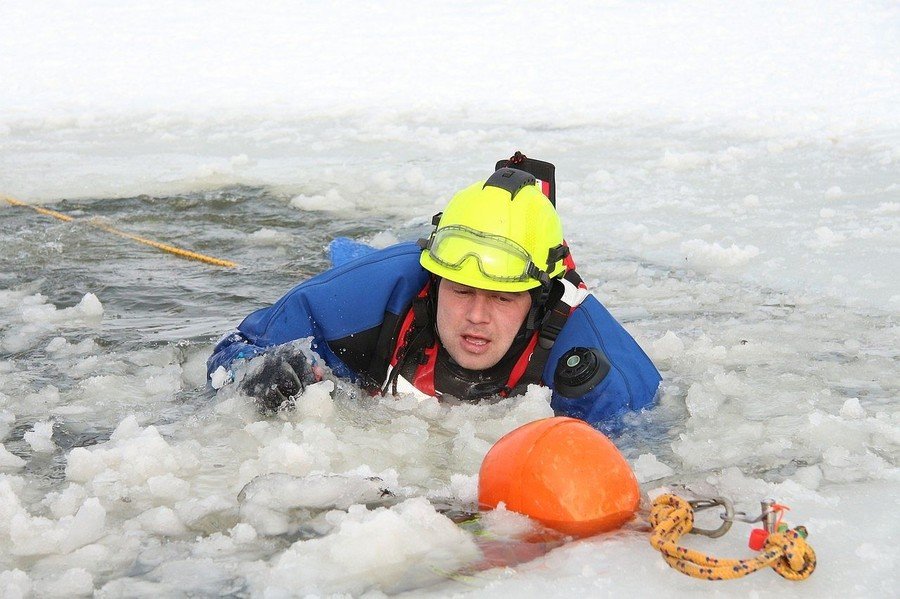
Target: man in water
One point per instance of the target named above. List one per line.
(487, 305)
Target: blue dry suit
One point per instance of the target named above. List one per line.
(353, 311)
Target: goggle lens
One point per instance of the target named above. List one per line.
(498, 258)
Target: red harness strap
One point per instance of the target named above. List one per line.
(570, 263)
(404, 328)
(407, 322)
(424, 378)
(521, 365)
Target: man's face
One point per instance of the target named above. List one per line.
(477, 326)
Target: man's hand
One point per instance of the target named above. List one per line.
(281, 375)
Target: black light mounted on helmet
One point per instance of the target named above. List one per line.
(511, 180)
(544, 172)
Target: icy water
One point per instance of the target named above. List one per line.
(152, 302)
(135, 490)
(729, 181)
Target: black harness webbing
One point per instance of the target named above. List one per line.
(417, 337)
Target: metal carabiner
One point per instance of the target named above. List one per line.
(768, 515)
(708, 503)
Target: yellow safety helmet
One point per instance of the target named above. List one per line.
(502, 234)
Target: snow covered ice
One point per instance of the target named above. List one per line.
(729, 180)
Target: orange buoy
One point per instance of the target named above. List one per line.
(563, 473)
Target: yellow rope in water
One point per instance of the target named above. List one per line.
(46, 211)
(671, 517)
(160, 246)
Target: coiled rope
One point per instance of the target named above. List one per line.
(671, 517)
(171, 249)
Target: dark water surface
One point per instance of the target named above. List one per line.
(151, 299)
(165, 297)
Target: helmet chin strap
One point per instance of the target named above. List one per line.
(539, 297)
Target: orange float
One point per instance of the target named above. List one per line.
(563, 473)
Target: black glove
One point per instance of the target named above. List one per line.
(282, 375)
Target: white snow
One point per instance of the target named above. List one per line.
(389, 549)
(729, 180)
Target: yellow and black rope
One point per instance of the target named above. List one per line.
(671, 517)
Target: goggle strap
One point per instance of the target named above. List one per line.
(538, 275)
(425, 244)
